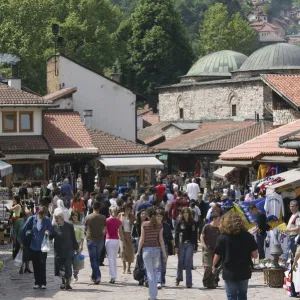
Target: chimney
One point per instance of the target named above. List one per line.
(116, 77)
(15, 80)
(87, 118)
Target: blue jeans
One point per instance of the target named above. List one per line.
(151, 257)
(290, 246)
(162, 268)
(95, 249)
(185, 259)
(236, 290)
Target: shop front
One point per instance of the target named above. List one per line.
(124, 170)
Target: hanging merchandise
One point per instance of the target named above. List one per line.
(262, 171)
(274, 206)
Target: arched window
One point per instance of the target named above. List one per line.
(233, 103)
(180, 106)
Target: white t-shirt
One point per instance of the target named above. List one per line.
(274, 205)
(175, 186)
(296, 221)
(89, 203)
(193, 190)
(202, 182)
(113, 202)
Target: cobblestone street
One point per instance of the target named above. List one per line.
(19, 287)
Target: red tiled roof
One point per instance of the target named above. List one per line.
(23, 144)
(9, 95)
(236, 138)
(60, 94)
(109, 144)
(152, 133)
(287, 86)
(65, 130)
(207, 132)
(265, 144)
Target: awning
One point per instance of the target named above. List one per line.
(75, 150)
(25, 156)
(233, 163)
(223, 171)
(130, 163)
(292, 180)
(5, 168)
(279, 159)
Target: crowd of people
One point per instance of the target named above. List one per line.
(163, 220)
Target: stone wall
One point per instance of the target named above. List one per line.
(212, 101)
(285, 116)
(53, 82)
(171, 132)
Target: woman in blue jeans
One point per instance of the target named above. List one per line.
(152, 241)
(235, 249)
(186, 245)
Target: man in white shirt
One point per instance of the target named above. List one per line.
(292, 229)
(193, 190)
(202, 183)
(113, 200)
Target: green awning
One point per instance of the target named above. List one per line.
(163, 157)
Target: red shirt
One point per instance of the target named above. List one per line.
(113, 225)
(160, 191)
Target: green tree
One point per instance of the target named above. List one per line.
(158, 48)
(86, 25)
(221, 32)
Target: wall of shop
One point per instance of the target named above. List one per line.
(213, 101)
(285, 116)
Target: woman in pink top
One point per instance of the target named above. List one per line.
(112, 243)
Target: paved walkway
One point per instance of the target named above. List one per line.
(19, 287)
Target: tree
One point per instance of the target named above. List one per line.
(221, 32)
(86, 25)
(233, 6)
(158, 48)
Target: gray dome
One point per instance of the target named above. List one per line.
(217, 64)
(273, 57)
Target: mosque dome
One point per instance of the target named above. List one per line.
(218, 64)
(281, 56)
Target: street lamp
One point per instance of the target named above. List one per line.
(55, 30)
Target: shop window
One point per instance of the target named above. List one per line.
(26, 121)
(9, 121)
(233, 110)
(181, 113)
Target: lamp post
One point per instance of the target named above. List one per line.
(58, 41)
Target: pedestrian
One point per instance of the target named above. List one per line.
(144, 204)
(162, 218)
(193, 190)
(56, 197)
(65, 245)
(151, 242)
(112, 243)
(209, 238)
(40, 226)
(260, 230)
(79, 234)
(114, 198)
(292, 229)
(78, 204)
(202, 183)
(95, 227)
(67, 189)
(90, 203)
(17, 230)
(126, 247)
(167, 200)
(61, 207)
(185, 245)
(160, 188)
(235, 249)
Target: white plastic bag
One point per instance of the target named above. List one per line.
(45, 244)
(19, 259)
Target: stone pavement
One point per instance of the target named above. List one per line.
(19, 287)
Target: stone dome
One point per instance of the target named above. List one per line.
(281, 56)
(217, 64)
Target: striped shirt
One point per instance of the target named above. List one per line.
(151, 234)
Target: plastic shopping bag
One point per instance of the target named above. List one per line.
(19, 258)
(78, 262)
(45, 244)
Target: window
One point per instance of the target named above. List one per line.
(9, 121)
(26, 121)
(181, 113)
(233, 110)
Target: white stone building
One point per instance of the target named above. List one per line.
(113, 106)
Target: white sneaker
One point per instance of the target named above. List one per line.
(43, 287)
(36, 287)
(159, 286)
